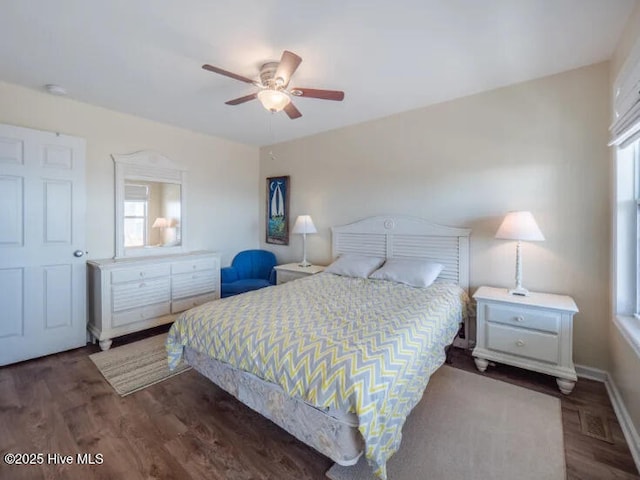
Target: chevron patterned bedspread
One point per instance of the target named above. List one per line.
(357, 345)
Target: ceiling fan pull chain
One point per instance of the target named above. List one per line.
(271, 155)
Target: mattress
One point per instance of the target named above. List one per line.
(350, 345)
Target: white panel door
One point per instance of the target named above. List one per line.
(42, 264)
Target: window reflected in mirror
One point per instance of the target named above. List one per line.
(151, 214)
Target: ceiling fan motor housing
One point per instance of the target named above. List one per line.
(267, 74)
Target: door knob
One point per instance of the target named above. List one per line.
(78, 253)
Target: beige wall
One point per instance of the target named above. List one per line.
(624, 365)
(222, 176)
(538, 146)
(626, 42)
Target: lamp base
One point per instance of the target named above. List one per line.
(304, 264)
(520, 291)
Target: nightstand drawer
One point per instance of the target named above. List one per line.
(293, 271)
(521, 342)
(523, 317)
(284, 276)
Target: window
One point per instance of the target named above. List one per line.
(136, 202)
(626, 227)
(625, 135)
(627, 243)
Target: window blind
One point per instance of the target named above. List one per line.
(136, 192)
(626, 101)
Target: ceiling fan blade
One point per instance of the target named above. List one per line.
(288, 64)
(336, 95)
(292, 111)
(235, 76)
(246, 98)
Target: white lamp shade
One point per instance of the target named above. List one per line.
(520, 226)
(304, 224)
(160, 222)
(273, 100)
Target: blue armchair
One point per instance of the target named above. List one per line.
(249, 270)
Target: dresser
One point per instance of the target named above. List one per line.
(128, 295)
(533, 332)
(292, 271)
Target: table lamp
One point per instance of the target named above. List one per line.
(161, 224)
(304, 225)
(519, 226)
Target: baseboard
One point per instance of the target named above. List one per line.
(628, 428)
(591, 373)
(624, 419)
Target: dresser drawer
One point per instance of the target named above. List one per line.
(195, 265)
(139, 314)
(135, 294)
(178, 306)
(522, 342)
(523, 317)
(190, 284)
(140, 273)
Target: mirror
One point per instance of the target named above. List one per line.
(150, 192)
(151, 214)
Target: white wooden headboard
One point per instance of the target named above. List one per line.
(402, 236)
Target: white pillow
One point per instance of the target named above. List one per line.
(354, 265)
(415, 271)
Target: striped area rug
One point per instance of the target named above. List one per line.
(137, 365)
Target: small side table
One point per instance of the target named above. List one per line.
(293, 271)
(533, 332)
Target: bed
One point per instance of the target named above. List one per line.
(339, 362)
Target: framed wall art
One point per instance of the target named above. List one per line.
(278, 210)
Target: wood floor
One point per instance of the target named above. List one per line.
(187, 428)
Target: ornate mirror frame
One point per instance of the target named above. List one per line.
(147, 166)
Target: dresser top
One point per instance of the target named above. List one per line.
(151, 259)
(534, 299)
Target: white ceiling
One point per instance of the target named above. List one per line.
(144, 56)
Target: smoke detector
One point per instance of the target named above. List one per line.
(55, 89)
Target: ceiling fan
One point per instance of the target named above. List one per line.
(274, 80)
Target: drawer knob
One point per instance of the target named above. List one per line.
(142, 274)
(194, 267)
(519, 319)
(520, 343)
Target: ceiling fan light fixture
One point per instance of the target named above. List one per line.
(273, 100)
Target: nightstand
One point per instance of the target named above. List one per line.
(533, 332)
(293, 271)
